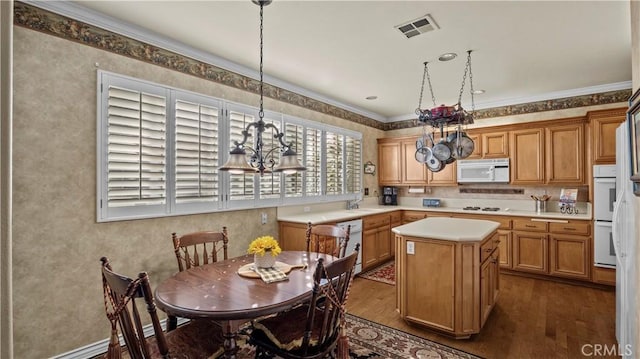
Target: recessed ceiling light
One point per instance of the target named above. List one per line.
(478, 92)
(448, 56)
(371, 97)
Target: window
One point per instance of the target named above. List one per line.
(159, 150)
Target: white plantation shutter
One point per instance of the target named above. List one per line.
(241, 186)
(353, 165)
(136, 148)
(196, 150)
(335, 164)
(159, 150)
(294, 134)
(313, 162)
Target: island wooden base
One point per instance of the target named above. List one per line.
(448, 286)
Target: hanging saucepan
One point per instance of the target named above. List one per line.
(434, 165)
(461, 145)
(451, 159)
(423, 153)
(442, 150)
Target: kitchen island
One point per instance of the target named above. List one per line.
(447, 273)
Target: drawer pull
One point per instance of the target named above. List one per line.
(496, 241)
(569, 228)
(488, 250)
(530, 226)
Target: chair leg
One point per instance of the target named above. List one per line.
(172, 323)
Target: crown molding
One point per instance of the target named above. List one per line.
(92, 17)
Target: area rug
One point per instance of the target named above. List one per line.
(385, 273)
(369, 340)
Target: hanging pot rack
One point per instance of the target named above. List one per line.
(451, 147)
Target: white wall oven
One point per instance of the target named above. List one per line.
(604, 196)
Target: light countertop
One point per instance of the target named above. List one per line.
(341, 215)
(449, 229)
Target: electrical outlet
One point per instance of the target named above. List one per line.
(263, 218)
(306, 209)
(366, 191)
(411, 248)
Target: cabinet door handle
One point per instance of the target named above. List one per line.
(496, 241)
(488, 250)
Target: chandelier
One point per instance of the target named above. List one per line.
(455, 145)
(259, 159)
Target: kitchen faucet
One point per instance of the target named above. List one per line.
(353, 204)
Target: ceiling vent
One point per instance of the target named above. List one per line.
(418, 26)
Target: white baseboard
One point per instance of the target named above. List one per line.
(100, 347)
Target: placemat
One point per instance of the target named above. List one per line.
(247, 269)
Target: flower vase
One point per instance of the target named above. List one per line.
(264, 261)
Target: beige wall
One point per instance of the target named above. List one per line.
(57, 242)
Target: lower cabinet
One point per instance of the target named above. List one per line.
(396, 220)
(448, 286)
(530, 252)
(504, 247)
(489, 284)
(569, 256)
(293, 237)
(561, 248)
(376, 240)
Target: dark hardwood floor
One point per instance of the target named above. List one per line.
(533, 318)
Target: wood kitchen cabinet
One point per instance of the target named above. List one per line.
(495, 144)
(569, 256)
(412, 216)
(412, 171)
(449, 286)
(565, 157)
(448, 176)
(530, 245)
(603, 134)
(293, 237)
(527, 156)
(396, 220)
(376, 240)
(398, 165)
(389, 158)
(477, 146)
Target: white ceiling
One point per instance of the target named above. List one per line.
(345, 51)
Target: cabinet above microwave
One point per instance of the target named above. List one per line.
(494, 170)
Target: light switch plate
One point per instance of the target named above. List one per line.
(411, 248)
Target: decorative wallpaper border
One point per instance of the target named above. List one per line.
(32, 17)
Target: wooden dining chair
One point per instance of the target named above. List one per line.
(310, 331)
(196, 339)
(198, 248)
(194, 249)
(318, 236)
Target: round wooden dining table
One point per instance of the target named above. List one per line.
(216, 291)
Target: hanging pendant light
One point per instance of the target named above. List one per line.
(258, 160)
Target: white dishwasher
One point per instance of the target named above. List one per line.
(355, 237)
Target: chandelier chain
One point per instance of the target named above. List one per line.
(261, 113)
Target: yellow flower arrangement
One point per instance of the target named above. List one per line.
(264, 244)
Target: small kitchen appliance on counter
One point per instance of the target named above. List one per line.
(390, 196)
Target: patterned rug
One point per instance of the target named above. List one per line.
(369, 340)
(385, 273)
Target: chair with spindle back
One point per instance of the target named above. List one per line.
(317, 235)
(195, 249)
(196, 339)
(310, 330)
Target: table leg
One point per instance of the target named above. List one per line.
(230, 333)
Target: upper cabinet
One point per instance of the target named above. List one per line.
(398, 165)
(389, 159)
(565, 154)
(527, 156)
(495, 145)
(603, 134)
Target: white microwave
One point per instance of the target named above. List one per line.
(495, 170)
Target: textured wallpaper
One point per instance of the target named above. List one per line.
(56, 240)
